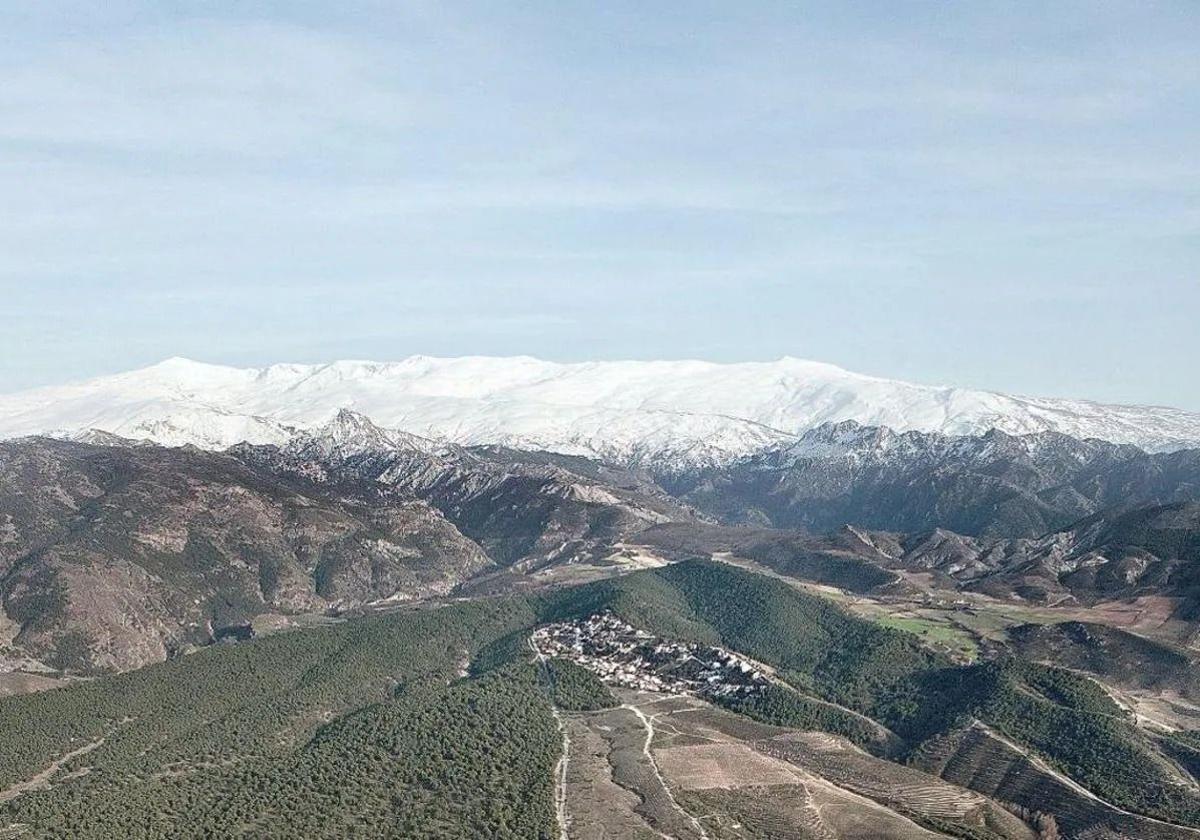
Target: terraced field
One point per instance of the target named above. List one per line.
(978, 757)
(677, 766)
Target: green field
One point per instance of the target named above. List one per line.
(938, 633)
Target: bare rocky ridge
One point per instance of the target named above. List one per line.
(518, 506)
(990, 485)
(1112, 555)
(112, 557)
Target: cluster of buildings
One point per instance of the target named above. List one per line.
(623, 655)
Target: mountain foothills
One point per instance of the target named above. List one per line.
(115, 556)
(117, 553)
(438, 723)
(790, 601)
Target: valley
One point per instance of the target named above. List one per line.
(372, 700)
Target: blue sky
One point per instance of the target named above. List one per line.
(1001, 195)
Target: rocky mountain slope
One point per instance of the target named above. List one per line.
(1150, 552)
(114, 555)
(117, 552)
(991, 485)
(519, 506)
(1145, 551)
(665, 414)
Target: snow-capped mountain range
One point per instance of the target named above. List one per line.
(687, 413)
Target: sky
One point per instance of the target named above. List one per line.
(996, 195)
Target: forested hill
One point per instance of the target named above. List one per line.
(433, 722)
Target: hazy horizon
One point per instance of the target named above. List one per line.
(317, 363)
(955, 195)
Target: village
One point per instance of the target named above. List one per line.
(622, 655)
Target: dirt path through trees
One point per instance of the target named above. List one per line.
(42, 780)
(560, 769)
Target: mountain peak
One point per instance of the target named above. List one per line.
(176, 365)
(349, 433)
(347, 422)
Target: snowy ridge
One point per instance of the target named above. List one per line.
(683, 413)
